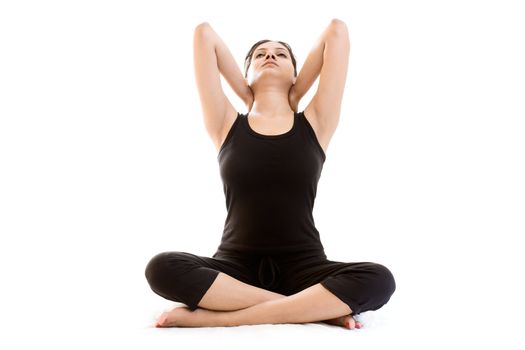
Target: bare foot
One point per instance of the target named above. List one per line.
(174, 317)
(345, 321)
(183, 317)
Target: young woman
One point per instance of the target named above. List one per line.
(270, 266)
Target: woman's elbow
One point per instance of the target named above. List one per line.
(338, 26)
(202, 26)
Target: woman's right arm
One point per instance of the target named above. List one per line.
(228, 66)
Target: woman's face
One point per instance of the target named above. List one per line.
(271, 60)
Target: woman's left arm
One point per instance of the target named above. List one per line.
(333, 47)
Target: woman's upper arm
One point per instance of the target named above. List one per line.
(327, 100)
(215, 104)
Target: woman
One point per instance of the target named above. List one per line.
(270, 266)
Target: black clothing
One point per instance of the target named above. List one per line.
(270, 240)
(270, 184)
(185, 277)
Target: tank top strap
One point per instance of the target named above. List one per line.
(305, 124)
(230, 133)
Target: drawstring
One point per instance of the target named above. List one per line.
(273, 269)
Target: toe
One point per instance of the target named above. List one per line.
(351, 323)
(162, 320)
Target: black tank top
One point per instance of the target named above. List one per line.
(270, 184)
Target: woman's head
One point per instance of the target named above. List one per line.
(265, 51)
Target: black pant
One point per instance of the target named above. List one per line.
(185, 277)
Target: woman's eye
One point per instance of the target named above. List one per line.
(281, 54)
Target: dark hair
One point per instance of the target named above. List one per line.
(248, 59)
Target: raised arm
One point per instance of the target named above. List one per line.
(328, 58)
(226, 63)
(310, 69)
(212, 58)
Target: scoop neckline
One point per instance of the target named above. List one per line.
(278, 136)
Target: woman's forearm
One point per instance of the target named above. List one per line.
(312, 65)
(228, 66)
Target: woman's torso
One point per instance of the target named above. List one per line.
(270, 184)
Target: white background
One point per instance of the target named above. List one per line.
(105, 162)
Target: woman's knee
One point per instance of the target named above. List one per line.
(162, 267)
(180, 276)
(385, 281)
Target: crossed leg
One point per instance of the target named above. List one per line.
(228, 301)
(312, 304)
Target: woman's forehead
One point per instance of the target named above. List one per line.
(270, 46)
